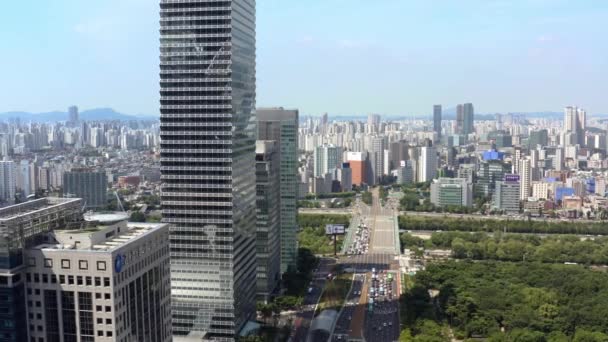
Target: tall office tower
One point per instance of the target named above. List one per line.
(324, 124)
(327, 158)
(459, 119)
(465, 118)
(112, 285)
(90, 185)
(558, 159)
(267, 173)
(281, 125)
(437, 120)
(23, 177)
(207, 76)
(73, 117)
(357, 161)
(23, 226)
(570, 119)
(498, 119)
(506, 195)
(427, 164)
(7, 182)
(469, 118)
(405, 173)
(490, 172)
(373, 122)
(540, 137)
(575, 122)
(466, 171)
(581, 125)
(377, 159)
(398, 153)
(345, 176)
(525, 173)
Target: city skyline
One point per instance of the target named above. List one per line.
(105, 54)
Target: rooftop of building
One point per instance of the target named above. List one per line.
(100, 238)
(105, 217)
(31, 207)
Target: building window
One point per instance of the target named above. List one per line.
(101, 265)
(61, 279)
(65, 263)
(70, 280)
(88, 281)
(31, 261)
(48, 263)
(97, 281)
(45, 278)
(106, 282)
(83, 264)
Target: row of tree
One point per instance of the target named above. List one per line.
(516, 247)
(512, 226)
(504, 301)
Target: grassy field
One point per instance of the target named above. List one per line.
(335, 293)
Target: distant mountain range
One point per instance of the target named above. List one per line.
(97, 114)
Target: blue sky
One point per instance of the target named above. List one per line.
(335, 56)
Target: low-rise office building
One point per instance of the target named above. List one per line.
(108, 281)
(451, 192)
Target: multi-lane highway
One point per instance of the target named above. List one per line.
(306, 314)
(367, 315)
(376, 317)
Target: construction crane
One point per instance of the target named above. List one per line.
(119, 202)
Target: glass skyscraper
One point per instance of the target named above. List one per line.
(281, 125)
(207, 72)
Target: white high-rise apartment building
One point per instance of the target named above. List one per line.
(7, 181)
(23, 178)
(540, 190)
(525, 173)
(207, 98)
(427, 164)
(327, 158)
(558, 159)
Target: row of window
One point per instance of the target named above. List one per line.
(98, 295)
(66, 264)
(69, 280)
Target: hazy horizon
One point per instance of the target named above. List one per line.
(323, 56)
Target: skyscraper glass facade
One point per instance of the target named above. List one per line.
(207, 74)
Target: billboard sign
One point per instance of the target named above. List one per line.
(512, 178)
(334, 229)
